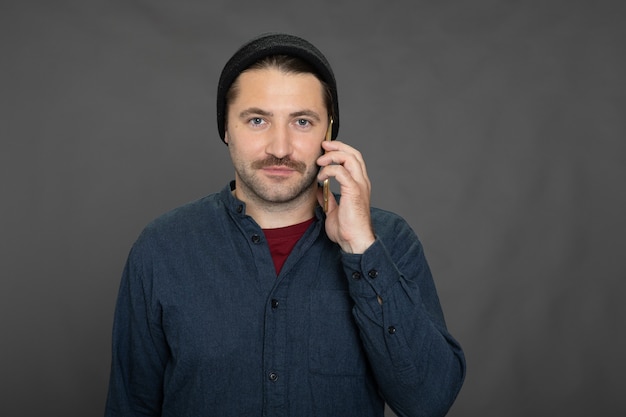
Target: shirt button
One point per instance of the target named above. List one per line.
(239, 208)
(256, 238)
(356, 275)
(274, 303)
(372, 273)
(273, 376)
(391, 330)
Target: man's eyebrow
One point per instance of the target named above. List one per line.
(254, 110)
(309, 113)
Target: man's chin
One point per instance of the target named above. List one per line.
(273, 196)
(280, 198)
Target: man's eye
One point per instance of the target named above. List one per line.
(256, 121)
(303, 122)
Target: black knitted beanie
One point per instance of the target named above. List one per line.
(268, 45)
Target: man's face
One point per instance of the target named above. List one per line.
(276, 123)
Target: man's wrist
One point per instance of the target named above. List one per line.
(358, 247)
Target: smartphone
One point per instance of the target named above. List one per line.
(329, 133)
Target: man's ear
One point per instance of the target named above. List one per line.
(226, 137)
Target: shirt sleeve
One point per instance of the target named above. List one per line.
(139, 351)
(418, 365)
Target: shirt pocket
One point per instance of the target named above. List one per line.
(335, 345)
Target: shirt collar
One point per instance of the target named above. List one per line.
(238, 207)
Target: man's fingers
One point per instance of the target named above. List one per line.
(347, 157)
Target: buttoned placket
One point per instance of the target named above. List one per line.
(276, 380)
(275, 290)
(274, 355)
(275, 376)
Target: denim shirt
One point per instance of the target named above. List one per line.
(204, 326)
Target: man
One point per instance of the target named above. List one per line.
(255, 301)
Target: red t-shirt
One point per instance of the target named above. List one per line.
(282, 240)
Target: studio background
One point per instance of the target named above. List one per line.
(496, 128)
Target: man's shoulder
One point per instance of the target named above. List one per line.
(191, 215)
(388, 223)
(385, 216)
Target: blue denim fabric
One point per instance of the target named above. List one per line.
(204, 327)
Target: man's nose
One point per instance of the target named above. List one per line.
(279, 144)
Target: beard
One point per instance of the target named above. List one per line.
(273, 190)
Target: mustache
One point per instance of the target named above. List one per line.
(273, 161)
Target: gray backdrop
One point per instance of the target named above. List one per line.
(496, 128)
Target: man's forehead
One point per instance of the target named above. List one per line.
(276, 84)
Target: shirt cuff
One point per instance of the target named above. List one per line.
(371, 273)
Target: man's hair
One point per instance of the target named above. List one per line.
(288, 65)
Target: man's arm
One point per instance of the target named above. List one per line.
(418, 365)
(139, 350)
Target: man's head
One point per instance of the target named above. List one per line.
(286, 52)
(276, 123)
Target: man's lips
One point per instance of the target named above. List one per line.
(278, 170)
